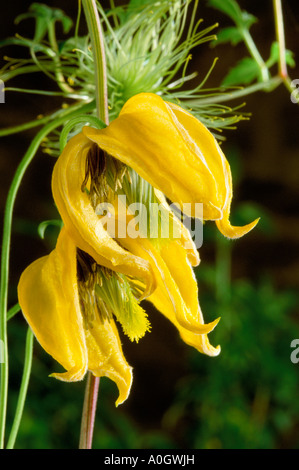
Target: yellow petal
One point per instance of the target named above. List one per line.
(176, 292)
(224, 225)
(185, 236)
(175, 259)
(174, 152)
(81, 221)
(146, 137)
(176, 284)
(220, 168)
(199, 342)
(106, 358)
(48, 297)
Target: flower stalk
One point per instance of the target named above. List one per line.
(97, 44)
(23, 389)
(89, 411)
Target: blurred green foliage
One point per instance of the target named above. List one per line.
(246, 398)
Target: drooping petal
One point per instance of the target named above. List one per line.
(175, 258)
(199, 342)
(81, 221)
(105, 356)
(173, 151)
(48, 297)
(176, 292)
(224, 225)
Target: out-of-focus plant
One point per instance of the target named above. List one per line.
(246, 399)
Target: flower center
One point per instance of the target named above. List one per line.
(104, 293)
(103, 175)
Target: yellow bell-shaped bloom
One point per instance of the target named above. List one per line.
(63, 295)
(81, 220)
(49, 298)
(175, 153)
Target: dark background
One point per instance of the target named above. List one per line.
(263, 152)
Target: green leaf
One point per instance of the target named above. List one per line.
(274, 56)
(229, 8)
(248, 19)
(139, 3)
(44, 16)
(245, 72)
(230, 34)
(241, 18)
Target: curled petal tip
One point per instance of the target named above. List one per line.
(72, 375)
(196, 328)
(210, 326)
(213, 352)
(232, 232)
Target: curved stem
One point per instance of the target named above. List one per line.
(44, 120)
(29, 155)
(58, 72)
(78, 120)
(23, 389)
(270, 85)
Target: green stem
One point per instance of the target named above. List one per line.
(39, 122)
(97, 43)
(7, 224)
(280, 36)
(13, 311)
(255, 54)
(279, 28)
(89, 411)
(23, 389)
(114, 16)
(58, 73)
(270, 85)
(23, 127)
(78, 120)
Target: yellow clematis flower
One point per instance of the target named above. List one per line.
(70, 297)
(127, 255)
(48, 293)
(175, 153)
(67, 308)
(80, 219)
